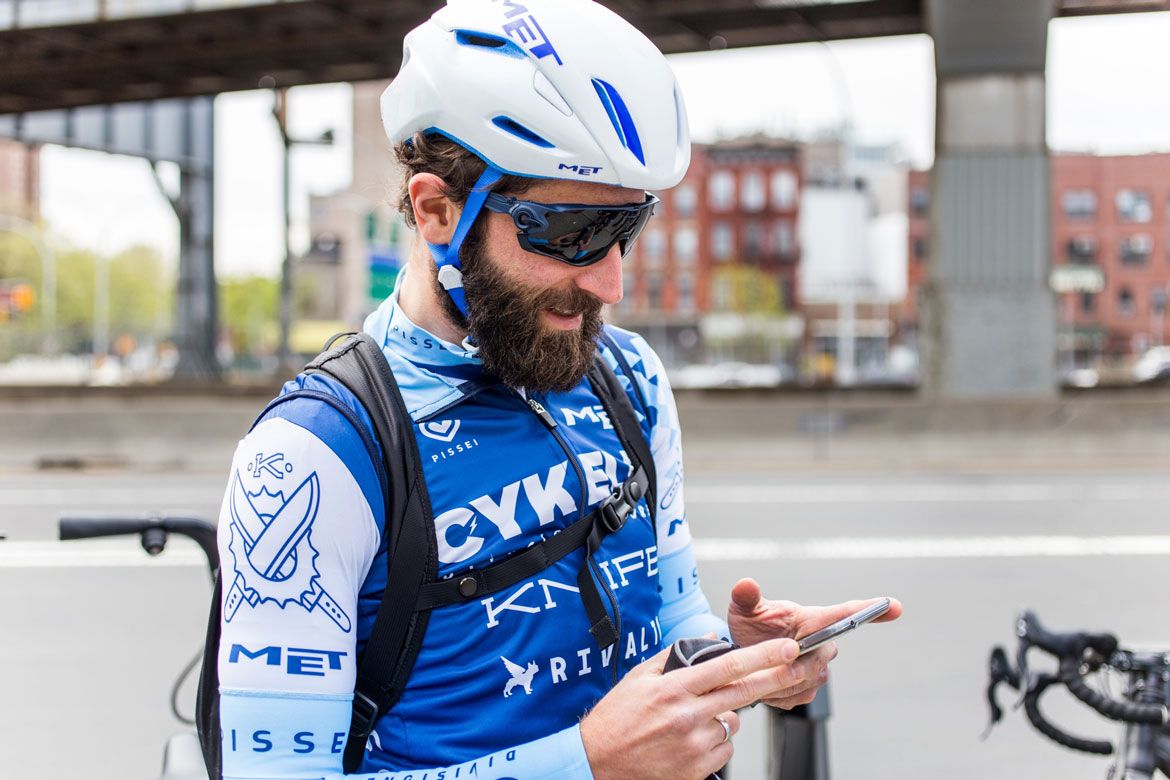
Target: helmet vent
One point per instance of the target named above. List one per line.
(478, 40)
(509, 125)
(620, 117)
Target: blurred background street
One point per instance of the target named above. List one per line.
(964, 530)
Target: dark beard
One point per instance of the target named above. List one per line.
(514, 345)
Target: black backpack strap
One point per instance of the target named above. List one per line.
(207, 692)
(397, 634)
(616, 402)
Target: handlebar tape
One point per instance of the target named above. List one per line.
(1127, 712)
(1045, 727)
(94, 527)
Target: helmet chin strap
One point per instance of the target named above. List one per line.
(447, 255)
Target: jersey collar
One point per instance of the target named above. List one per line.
(432, 374)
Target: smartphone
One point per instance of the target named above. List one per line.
(829, 633)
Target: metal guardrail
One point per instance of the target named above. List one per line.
(23, 14)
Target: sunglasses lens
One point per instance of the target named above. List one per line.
(585, 236)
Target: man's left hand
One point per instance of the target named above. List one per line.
(753, 619)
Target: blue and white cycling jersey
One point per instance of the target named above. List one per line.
(500, 683)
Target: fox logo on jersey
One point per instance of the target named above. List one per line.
(520, 676)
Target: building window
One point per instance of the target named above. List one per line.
(685, 200)
(1136, 249)
(921, 249)
(753, 240)
(1082, 250)
(1158, 300)
(686, 293)
(783, 240)
(919, 201)
(753, 191)
(721, 192)
(653, 247)
(1134, 206)
(1088, 302)
(722, 241)
(783, 190)
(1079, 204)
(654, 291)
(686, 246)
(1125, 302)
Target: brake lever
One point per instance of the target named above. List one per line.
(1000, 671)
(1026, 680)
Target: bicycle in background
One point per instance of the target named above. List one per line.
(182, 757)
(1144, 747)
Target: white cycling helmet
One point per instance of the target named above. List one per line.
(562, 89)
(559, 89)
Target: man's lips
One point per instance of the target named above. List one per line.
(561, 321)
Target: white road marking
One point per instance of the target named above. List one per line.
(125, 553)
(128, 496)
(850, 548)
(924, 493)
(118, 553)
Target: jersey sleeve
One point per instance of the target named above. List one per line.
(685, 610)
(298, 531)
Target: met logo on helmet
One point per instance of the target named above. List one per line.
(526, 31)
(583, 170)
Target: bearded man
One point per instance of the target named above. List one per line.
(530, 135)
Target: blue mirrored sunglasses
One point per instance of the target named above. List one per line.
(579, 234)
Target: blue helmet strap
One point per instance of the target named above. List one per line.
(447, 255)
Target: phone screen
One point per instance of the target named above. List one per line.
(829, 633)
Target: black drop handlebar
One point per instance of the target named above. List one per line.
(153, 530)
(1078, 653)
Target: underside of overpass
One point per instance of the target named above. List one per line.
(989, 319)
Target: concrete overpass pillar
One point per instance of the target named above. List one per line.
(197, 310)
(989, 318)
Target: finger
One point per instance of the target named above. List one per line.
(733, 724)
(715, 759)
(814, 619)
(790, 702)
(781, 682)
(736, 665)
(799, 689)
(745, 595)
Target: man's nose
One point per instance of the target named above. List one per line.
(604, 278)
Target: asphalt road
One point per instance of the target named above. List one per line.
(94, 633)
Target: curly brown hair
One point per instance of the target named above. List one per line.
(456, 166)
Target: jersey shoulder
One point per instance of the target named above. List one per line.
(326, 410)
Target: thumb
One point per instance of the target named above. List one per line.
(745, 595)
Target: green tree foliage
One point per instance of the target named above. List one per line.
(747, 290)
(141, 290)
(249, 308)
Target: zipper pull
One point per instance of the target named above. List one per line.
(542, 413)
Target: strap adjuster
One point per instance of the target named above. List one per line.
(365, 715)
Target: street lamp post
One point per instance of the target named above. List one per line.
(280, 114)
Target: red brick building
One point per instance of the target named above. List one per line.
(918, 252)
(1110, 227)
(731, 223)
(19, 179)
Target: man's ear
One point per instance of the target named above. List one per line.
(434, 213)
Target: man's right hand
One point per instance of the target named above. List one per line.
(654, 725)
